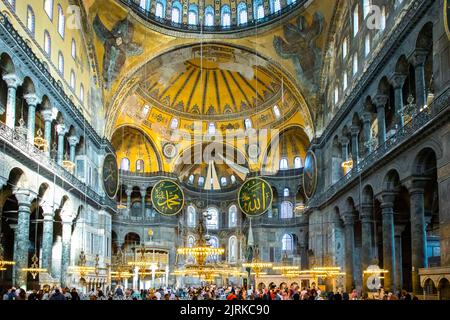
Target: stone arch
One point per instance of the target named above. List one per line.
(425, 37)
(402, 65)
(424, 163)
(391, 181)
(18, 179)
(367, 194)
(444, 289)
(383, 86)
(6, 64)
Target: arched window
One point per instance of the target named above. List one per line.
(30, 20)
(61, 63)
(176, 12)
(191, 179)
(232, 216)
(259, 9)
(247, 124)
(209, 16)
(242, 13)
(48, 7)
(213, 242)
(276, 112)
(287, 243)
(139, 165)
(211, 128)
(336, 95)
(72, 80)
(159, 12)
(345, 48)
(212, 220)
(47, 43)
(284, 164)
(275, 5)
(367, 4)
(286, 192)
(145, 4)
(232, 249)
(201, 181)
(355, 64)
(226, 16)
(383, 18)
(81, 92)
(174, 124)
(233, 179)
(192, 14)
(223, 181)
(125, 164)
(287, 210)
(61, 21)
(190, 241)
(356, 20)
(191, 218)
(298, 163)
(345, 81)
(367, 45)
(145, 111)
(74, 49)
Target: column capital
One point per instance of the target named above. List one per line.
(354, 129)
(398, 230)
(349, 218)
(47, 114)
(380, 100)
(366, 117)
(73, 140)
(344, 140)
(143, 192)
(416, 185)
(419, 57)
(12, 80)
(23, 196)
(32, 99)
(67, 217)
(129, 190)
(366, 211)
(398, 80)
(387, 199)
(47, 209)
(61, 129)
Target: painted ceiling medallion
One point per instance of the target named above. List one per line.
(170, 150)
(253, 151)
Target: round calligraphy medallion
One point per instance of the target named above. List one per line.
(255, 197)
(110, 175)
(167, 198)
(310, 174)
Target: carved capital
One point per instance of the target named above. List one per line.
(32, 99)
(387, 200)
(398, 80)
(11, 80)
(380, 100)
(47, 114)
(23, 196)
(354, 129)
(349, 218)
(398, 230)
(344, 141)
(143, 192)
(73, 140)
(61, 129)
(419, 57)
(129, 190)
(67, 216)
(366, 117)
(416, 185)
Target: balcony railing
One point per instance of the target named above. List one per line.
(196, 28)
(41, 158)
(409, 130)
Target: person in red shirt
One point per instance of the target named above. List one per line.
(232, 296)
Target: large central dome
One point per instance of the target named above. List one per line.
(217, 85)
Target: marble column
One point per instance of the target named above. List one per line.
(418, 61)
(366, 216)
(128, 192)
(143, 194)
(397, 81)
(65, 254)
(12, 81)
(21, 238)
(303, 244)
(387, 211)
(47, 114)
(418, 231)
(61, 130)
(398, 256)
(47, 237)
(355, 144)
(367, 127)
(380, 102)
(344, 143)
(349, 229)
(73, 141)
(32, 101)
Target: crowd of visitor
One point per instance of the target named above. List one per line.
(294, 292)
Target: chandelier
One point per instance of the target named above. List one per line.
(348, 164)
(34, 269)
(39, 141)
(120, 270)
(256, 265)
(67, 164)
(319, 272)
(21, 129)
(3, 262)
(285, 266)
(81, 268)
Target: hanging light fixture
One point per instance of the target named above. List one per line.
(40, 141)
(22, 129)
(67, 164)
(4, 263)
(348, 164)
(81, 267)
